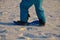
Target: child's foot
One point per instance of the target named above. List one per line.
(41, 23)
(19, 23)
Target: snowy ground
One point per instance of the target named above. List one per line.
(9, 11)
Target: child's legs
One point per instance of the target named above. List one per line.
(39, 10)
(24, 10)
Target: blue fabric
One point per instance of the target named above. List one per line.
(26, 4)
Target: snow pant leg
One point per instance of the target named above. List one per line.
(24, 6)
(39, 10)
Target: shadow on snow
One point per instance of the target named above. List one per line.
(34, 23)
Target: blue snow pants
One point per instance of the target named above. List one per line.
(26, 4)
